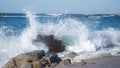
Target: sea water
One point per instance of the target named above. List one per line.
(87, 35)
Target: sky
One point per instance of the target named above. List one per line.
(61, 6)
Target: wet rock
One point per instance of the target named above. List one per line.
(19, 60)
(53, 44)
(65, 62)
(71, 55)
(55, 59)
(50, 61)
(34, 59)
(56, 46)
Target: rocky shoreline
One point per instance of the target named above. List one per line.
(36, 59)
(40, 59)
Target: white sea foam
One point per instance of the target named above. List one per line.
(11, 46)
(75, 35)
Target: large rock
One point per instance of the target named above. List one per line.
(55, 59)
(21, 59)
(35, 59)
(53, 44)
(10, 64)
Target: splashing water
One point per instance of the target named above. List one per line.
(75, 35)
(14, 45)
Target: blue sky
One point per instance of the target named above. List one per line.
(61, 6)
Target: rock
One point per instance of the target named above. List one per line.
(53, 44)
(26, 65)
(56, 46)
(50, 61)
(117, 14)
(65, 62)
(34, 59)
(71, 55)
(2, 14)
(55, 59)
(10, 64)
(38, 53)
(19, 60)
(45, 62)
(37, 64)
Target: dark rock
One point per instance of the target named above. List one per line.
(41, 54)
(117, 14)
(56, 46)
(55, 59)
(65, 62)
(2, 14)
(53, 44)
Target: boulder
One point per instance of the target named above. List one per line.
(71, 55)
(56, 46)
(35, 59)
(65, 62)
(19, 60)
(53, 44)
(55, 59)
(37, 64)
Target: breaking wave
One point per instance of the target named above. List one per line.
(76, 36)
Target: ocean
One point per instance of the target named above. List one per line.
(89, 36)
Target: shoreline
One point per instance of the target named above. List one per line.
(40, 59)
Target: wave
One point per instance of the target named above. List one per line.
(75, 35)
(55, 14)
(25, 16)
